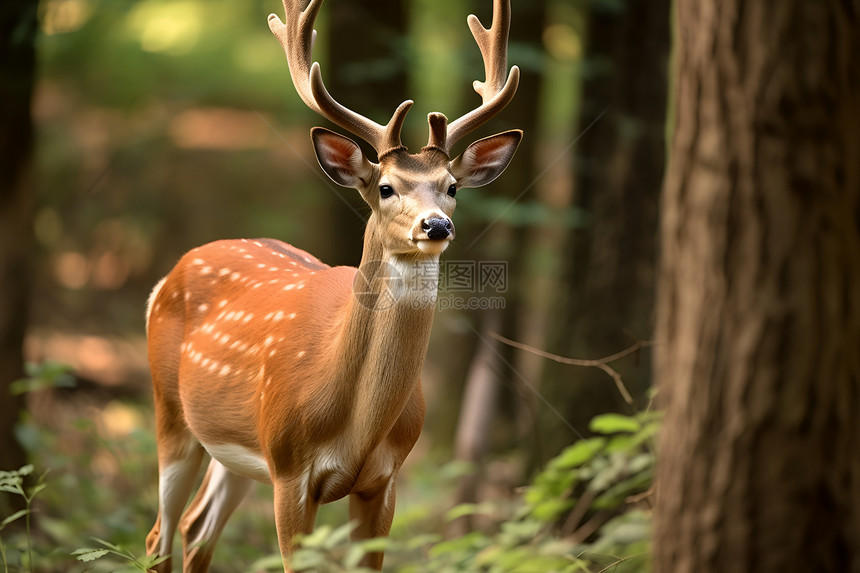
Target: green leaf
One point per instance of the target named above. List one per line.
(150, 561)
(420, 541)
(354, 556)
(37, 488)
(340, 535)
(270, 562)
(579, 453)
(87, 554)
(376, 544)
(13, 517)
(467, 509)
(108, 544)
(612, 423)
(302, 559)
(317, 538)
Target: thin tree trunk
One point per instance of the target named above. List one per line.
(758, 330)
(480, 403)
(17, 72)
(368, 74)
(620, 159)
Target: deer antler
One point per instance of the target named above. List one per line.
(498, 88)
(297, 38)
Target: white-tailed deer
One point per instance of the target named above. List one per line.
(294, 373)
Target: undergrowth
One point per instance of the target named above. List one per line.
(587, 511)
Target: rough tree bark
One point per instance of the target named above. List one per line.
(758, 354)
(17, 72)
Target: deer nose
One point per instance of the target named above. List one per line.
(437, 228)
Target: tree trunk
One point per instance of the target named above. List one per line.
(758, 315)
(471, 443)
(17, 71)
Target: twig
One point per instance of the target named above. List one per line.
(578, 512)
(601, 363)
(619, 561)
(585, 530)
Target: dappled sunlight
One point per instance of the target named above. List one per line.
(563, 42)
(169, 27)
(65, 16)
(71, 270)
(119, 419)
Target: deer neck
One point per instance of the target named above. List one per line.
(386, 331)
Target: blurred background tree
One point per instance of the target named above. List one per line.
(18, 27)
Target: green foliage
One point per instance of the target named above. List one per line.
(128, 560)
(42, 376)
(582, 512)
(549, 529)
(13, 482)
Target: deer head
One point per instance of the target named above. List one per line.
(411, 195)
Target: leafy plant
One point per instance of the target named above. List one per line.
(13, 482)
(579, 514)
(44, 375)
(145, 563)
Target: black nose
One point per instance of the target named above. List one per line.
(437, 228)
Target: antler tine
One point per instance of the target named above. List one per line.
(297, 37)
(438, 132)
(499, 87)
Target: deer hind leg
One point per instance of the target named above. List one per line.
(177, 473)
(219, 495)
(373, 510)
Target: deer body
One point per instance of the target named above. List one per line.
(305, 376)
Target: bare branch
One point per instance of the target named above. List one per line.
(601, 363)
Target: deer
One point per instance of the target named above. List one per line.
(284, 370)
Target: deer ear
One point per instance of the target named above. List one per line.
(341, 159)
(485, 159)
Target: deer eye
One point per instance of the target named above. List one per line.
(452, 190)
(386, 191)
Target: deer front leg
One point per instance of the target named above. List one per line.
(373, 511)
(295, 513)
